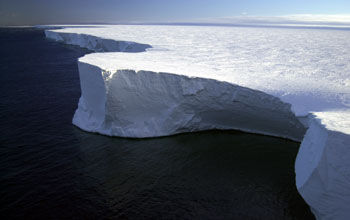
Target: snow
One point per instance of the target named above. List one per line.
(185, 78)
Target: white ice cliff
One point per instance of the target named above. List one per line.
(252, 79)
(142, 103)
(323, 165)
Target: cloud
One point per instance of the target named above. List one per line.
(299, 19)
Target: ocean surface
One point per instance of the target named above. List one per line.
(49, 169)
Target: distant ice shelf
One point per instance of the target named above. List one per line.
(97, 44)
(183, 79)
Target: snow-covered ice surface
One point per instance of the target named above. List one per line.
(305, 67)
(188, 78)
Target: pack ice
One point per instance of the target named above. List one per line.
(274, 81)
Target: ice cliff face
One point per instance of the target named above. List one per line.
(131, 103)
(323, 165)
(181, 84)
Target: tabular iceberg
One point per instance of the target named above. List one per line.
(188, 80)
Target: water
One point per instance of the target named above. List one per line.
(50, 169)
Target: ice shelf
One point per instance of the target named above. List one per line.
(186, 79)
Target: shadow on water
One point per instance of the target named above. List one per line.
(51, 170)
(205, 175)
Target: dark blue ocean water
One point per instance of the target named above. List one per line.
(50, 169)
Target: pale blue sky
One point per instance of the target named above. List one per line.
(28, 12)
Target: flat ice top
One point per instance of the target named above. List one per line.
(335, 120)
(309, 68)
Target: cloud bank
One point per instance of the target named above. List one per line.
(299, 19)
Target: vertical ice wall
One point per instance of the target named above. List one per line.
(131, 103)
(323, 165)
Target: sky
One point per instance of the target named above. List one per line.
(33, 12)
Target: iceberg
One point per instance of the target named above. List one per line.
(278, 82)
